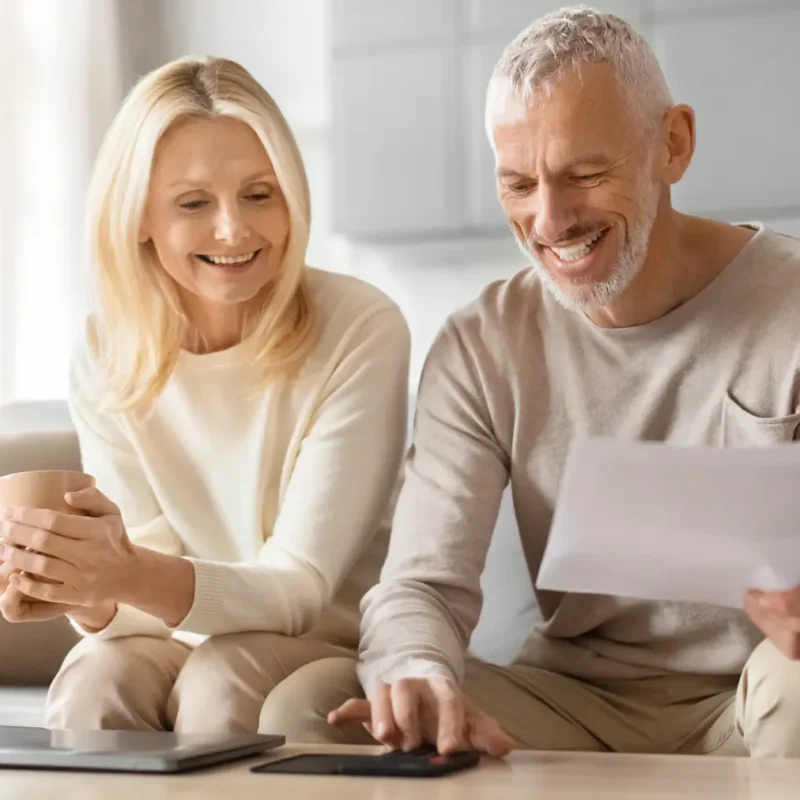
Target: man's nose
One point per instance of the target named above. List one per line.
(554, 214)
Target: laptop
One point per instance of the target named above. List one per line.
(125, 751)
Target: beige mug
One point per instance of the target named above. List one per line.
(43, 489)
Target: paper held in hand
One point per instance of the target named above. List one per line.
(661, 522)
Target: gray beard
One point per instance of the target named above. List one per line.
(630, 263)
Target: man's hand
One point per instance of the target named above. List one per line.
(65, 558)
(777, 614)
(418, 711)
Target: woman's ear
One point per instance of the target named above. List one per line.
(144, 233)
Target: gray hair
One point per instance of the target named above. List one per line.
(566, 39)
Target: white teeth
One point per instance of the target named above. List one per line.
(231, 259)
(577, 251)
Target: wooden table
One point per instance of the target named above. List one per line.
(550, 776)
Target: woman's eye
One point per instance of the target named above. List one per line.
(193, 205)
(259, 196)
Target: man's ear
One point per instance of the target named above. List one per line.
(678, 142)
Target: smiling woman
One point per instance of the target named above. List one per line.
(244, 416)
(199, 162)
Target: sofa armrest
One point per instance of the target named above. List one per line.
(32, 450)
(31, 653)
(35, 415)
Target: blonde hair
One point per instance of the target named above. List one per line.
(138, 325)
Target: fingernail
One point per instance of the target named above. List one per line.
(6, 513)
(449, 744)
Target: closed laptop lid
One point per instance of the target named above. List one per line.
(125, 750)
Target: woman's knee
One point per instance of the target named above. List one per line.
(299, 706)
(118, 683)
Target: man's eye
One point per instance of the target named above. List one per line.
(588, 178)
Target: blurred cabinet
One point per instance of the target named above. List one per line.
(369, 22)
(508, 17)
(482, 207)
(395, 169)
(669, 7)
(748, 159)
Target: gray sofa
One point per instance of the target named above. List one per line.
(39, 435)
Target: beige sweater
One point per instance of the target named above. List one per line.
(511, 380)
(275, 496)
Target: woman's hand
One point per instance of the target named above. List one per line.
(5, 573)
(16, 607)
(90, 558)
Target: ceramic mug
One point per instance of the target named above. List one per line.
(43, 489)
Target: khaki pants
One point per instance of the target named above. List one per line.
(546, 711)
(226, 684)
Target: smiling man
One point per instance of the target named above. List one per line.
(635, 321)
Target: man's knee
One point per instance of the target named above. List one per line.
(118, 683)
(298, 707)
(768, 704)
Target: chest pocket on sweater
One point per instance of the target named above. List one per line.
(741, 428)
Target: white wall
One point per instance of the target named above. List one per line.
(64, 83)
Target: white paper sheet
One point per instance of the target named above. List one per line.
(660, 522)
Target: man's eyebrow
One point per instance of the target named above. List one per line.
(591, 160)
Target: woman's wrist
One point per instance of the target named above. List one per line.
(94, 619)
(159, 584)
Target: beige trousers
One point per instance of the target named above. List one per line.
(547, 711)
(276, 684)
(226, 684)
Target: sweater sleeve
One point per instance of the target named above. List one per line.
(107, 454)
(335, 498)
(418, 620)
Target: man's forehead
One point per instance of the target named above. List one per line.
(585, 104)
(524, 137)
